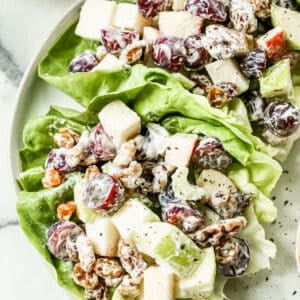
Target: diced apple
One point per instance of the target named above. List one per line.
(169, 246)
(109, 62)
(104, 236)
(215, 181)
(179, 24)
(178, 4)
(289, 20)
(179, 149)
(273, 42)
(228, 71)
(277, 80)
(128, 17)
(150, 34)
(94, 15)
(132, 214)
(200, 284)
(119, 122)
(158, 283)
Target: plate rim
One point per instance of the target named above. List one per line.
(25, 84)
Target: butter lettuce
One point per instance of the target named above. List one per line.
(263, 171)
(37, 212)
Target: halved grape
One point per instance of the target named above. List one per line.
(282, 118)
(237, 254)
(101, 144)
(59, 235)
(103, 193)
(196, 54)
(169, 52)
(115, 40)
(214, 10)
(184, 217)
(255, 105)
(57, 160)
(254, 63)
(210, 154)
(151, 8)
(84, 62)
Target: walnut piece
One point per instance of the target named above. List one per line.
(52, 178)
(66, 210)
(110, 270)
(212, 234)
(86, 253)
(88, 280)
(66, 138)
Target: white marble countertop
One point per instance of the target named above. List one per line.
(23, 27)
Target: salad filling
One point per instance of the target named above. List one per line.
(166, 175)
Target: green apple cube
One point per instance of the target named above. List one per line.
(200, 284)
(130, 216)
(85, 214)
(228, 71)
(277, 81)
(169, 246)
(289, 21)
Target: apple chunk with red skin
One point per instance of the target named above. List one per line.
(273, 42)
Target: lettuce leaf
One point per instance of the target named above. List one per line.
(264, 171)
(37, 212)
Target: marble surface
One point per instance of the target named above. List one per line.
(23, 27)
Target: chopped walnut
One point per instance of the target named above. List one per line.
(222, 42)
(129, 288)
(90, 171)
(91, 159)
(161, 173)
(132, 261)
(242, 15)
(126, 154)
(85, 253)
(131, 176)
(66, 138)
(219, 95)
(262, 8)
(110, 270)
(133, 52)
(71, 249)
(212, 234)
(66, 210)
(52, 178)
(88, 280)
(227, 250)
(79, 152)
(98, 293)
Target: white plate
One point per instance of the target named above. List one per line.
(282, 282)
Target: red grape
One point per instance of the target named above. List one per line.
(196, 54)
(184, 217)
(151, 8)
(213, 10)
(59, 234)
(57, 160)
(100, 144)
(115, 40)
(103, 193)
(254, 63)
(282, 118)
(210, 154)
(169, 52)
(84, 62)
(236, 249)
(255, 106)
